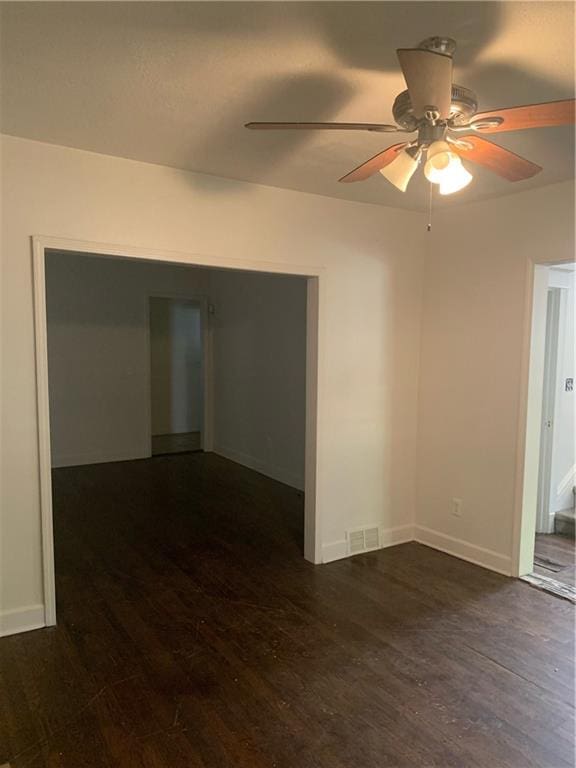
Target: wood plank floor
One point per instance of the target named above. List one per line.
(560, 550)
(179, 442)
(192, 634)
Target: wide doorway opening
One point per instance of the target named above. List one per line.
(182, 423)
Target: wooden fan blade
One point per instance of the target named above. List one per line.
(428, 76)
(502, 161)
(376, 127)
(530, 116)
(376, 163)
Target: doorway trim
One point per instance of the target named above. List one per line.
(551, 344)
(42, 244)
(203, 302)
(530, 414)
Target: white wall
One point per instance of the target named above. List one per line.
(175, 366)
(472, 372)
(98, 354)
(471, 359)
(563, 475)
(260, 372)
(369, 321)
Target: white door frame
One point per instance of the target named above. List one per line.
(206, 434)
(41, 244)
(544, 524)
(530, 415)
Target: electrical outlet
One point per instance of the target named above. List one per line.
(456, 507)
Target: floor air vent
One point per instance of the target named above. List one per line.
(363, 539)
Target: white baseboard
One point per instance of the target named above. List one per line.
(21, 620)
(486, 558)
(389, 537)
(97, 457)
(402, 534)
(270, 470)
(334, 551)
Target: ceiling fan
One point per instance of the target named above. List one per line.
(441, 112)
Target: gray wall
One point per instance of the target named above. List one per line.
(260, 371)
(98, 353)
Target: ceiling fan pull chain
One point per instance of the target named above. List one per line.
(429, 226)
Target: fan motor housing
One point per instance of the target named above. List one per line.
(463, 107)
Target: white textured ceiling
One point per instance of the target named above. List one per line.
(173, 83)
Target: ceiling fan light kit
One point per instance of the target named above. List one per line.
(439, 159)
(402, 168)
(444, 167)
(439, 111)
(456, 179)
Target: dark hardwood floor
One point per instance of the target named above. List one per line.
(179, 442)
(555, 557)
(192, 634)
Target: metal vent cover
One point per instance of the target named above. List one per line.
(363, 539)
(371, 538)
(356, 541)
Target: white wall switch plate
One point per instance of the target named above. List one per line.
(456, 507)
